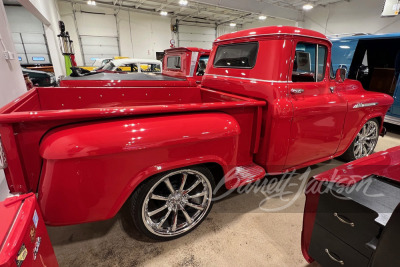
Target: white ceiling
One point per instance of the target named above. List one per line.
(213, 12)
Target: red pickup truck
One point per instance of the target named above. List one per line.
(182, 66)
(268, 102)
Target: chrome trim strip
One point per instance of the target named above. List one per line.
(3, 161)
(247, 79)
(392, 120)
(363, 105)
(272, 34)
(193, 61)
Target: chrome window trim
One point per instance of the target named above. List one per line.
(3, 160)
(246, 79)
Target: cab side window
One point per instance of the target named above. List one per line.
(309, 63)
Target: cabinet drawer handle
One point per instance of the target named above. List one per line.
(333, 258)
(343, 220)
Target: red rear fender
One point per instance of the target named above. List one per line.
(91, 169)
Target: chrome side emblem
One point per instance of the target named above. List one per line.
(3, 161)
(364, 105)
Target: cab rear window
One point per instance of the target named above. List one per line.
(241, 55)
(174, 62)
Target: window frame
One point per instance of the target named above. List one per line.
(180, 62)
(236, 67)
(317, 45)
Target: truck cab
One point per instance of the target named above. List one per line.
(374, 60)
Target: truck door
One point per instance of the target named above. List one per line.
(23, 236)
(319, 112)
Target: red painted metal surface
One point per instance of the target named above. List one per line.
(186, 58)
(75, 140)
(384, 163)
(23, 234)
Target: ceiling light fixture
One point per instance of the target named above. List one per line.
(163, 13)
(308, 7)
(262, 17)
(183, 2)
(91, 3)
(232, 24)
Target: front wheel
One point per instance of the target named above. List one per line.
(365, 141)
(172, 204)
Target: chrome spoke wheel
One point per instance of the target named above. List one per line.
(177, 203)
(366, 140)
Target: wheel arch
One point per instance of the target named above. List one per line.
(377, 116)
(216, 166)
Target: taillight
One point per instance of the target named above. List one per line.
(3, 161)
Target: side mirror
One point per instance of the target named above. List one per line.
(340, 75)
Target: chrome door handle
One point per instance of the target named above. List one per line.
(332, 88)
(296, 91)
(333, 258)
(343, 220)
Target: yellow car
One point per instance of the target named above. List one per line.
(100, 62)
(131, 65)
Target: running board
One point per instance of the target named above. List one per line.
(392, 120)
(242, 175)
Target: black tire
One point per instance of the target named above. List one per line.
(141, 199)
(351, 154)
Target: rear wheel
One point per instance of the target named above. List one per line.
(365, 141)
(172, 204)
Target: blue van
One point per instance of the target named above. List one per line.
(374, 60)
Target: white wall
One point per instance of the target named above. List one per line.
(351, 17)
(196, 36)
(270, 22)
(140, 35)
(12, 81)
(47, 13)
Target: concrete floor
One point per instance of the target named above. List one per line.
(239, 231)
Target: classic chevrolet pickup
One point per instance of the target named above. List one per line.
(268, 102)
(182, 66)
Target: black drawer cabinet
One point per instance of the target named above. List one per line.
(331, 251)
(350, 221)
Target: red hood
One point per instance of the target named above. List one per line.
(384, 163)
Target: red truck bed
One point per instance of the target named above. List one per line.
(25, 121)
(86, 102)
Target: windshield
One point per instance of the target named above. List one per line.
(343, 53)
(203, 60)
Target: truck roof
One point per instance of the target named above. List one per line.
(191, 49)
(272, 30)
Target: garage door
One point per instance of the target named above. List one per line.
(99, 47)
(195, 36)
(99, 36)
(31, 48)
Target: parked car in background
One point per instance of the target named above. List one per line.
(180, 67)
(133, 65)
(374, 60)
(41, 78)
(86, 151)
(100, 62)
